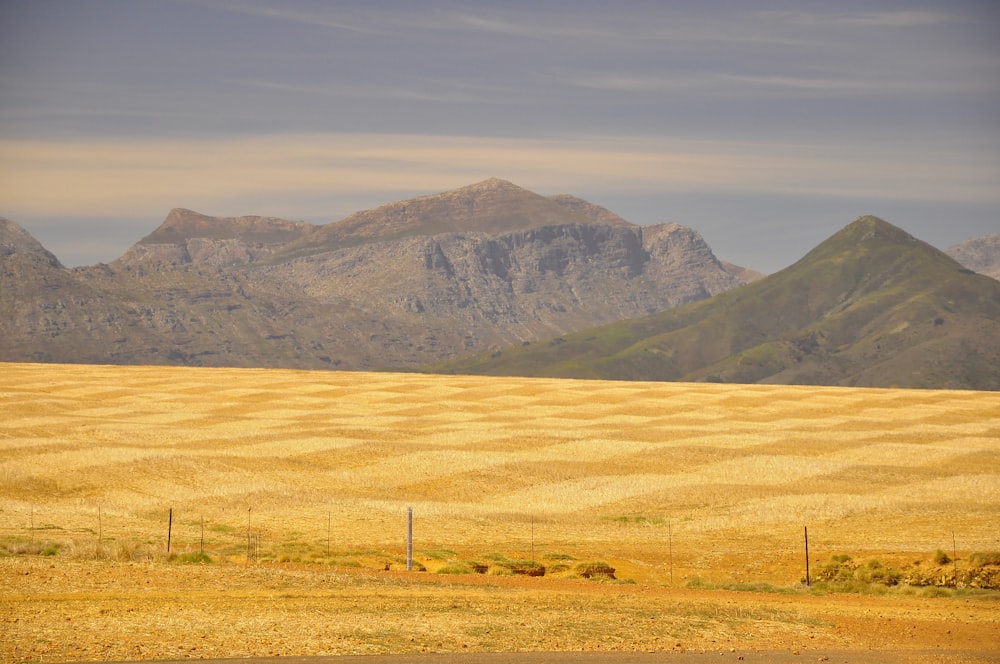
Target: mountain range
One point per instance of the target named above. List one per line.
(493, 278)
(399, 286)
(870, 306)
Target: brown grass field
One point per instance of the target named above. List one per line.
(696, 494)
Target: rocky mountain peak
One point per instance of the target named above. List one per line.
(16, 240)
(870, 226)
(182, 224)
(491, 206)
(489, 185)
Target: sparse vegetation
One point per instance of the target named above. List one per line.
(194, 557)
(983, 558)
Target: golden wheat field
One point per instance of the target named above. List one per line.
(667, 483)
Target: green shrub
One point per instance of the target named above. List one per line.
(941, 558)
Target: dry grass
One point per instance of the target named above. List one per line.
(722, 476)
(111, 449)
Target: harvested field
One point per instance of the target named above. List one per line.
(680, 488)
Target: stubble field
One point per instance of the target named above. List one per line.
(696, 494)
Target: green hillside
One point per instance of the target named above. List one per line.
(870, 306)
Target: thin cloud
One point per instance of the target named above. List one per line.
(142, 176)
(333, 18)
(452, 92)
(905, 18)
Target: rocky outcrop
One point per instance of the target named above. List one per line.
(981, 254)
(190, 237)
(517, 286)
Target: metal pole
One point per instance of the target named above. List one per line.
(409, 539)
(170, 527)
(670, 539)
(954, 555)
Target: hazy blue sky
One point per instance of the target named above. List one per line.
(767, 126)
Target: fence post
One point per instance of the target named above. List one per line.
(954, 555)
(170, 527)
(806, 530)
(670, 544)
(409, 539)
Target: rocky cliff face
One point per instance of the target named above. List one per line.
(981, 254)
(400, 286)
(517, 286)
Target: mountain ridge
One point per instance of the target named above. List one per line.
(871, 305)
(238, 291)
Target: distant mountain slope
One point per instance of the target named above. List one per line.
(403, 285)
(870, 306)
(980, 254)
(47, 313)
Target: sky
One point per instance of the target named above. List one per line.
(766, 126)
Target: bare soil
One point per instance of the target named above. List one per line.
(62, 610)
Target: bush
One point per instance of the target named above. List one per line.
(838, 569)
(595, 570)
(941, 558)
(842, 574)
(503, 565)
(982, 558)
(875, 572)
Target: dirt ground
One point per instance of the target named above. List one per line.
(56, 610)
